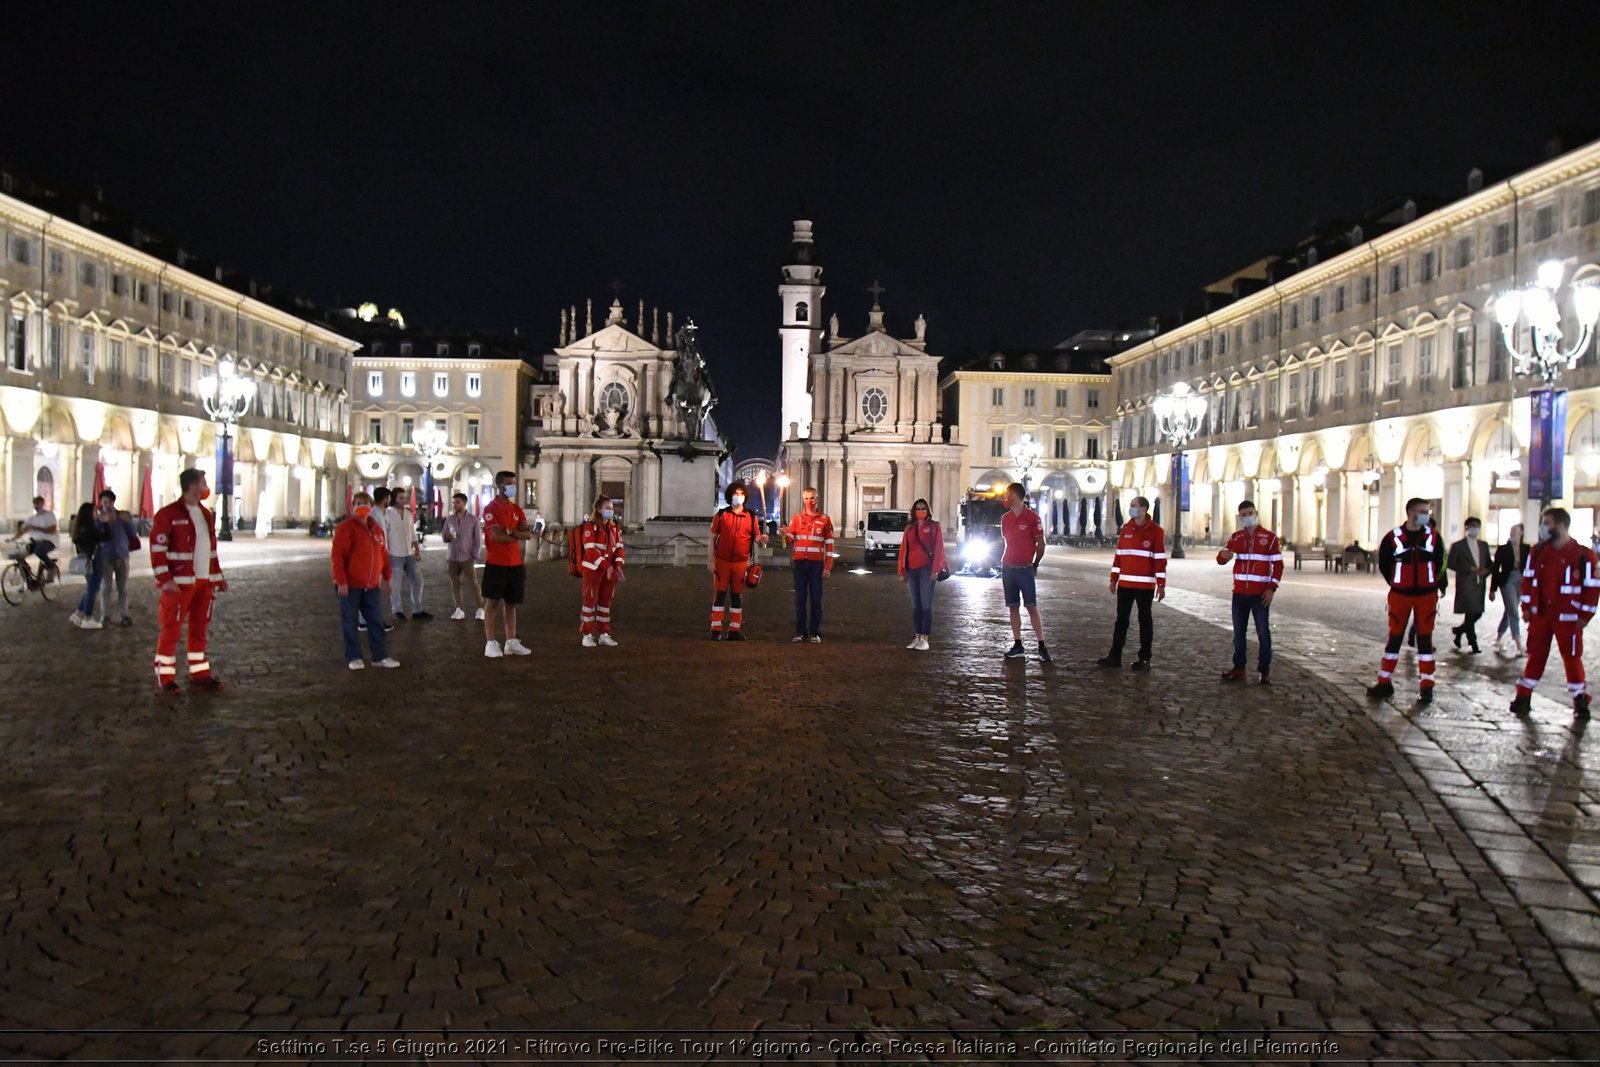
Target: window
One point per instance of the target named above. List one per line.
(802, 312)
(1463, 253)
(472, 433)
(142, 363)
(1061, 398)
(1255, 331)
(119, 285)
(1316, 309)
(874, 405)
(1061, 446)
(1314, 392)
(1591, 206)
(115, 358)
(1339, 384)
(1028, 397)
(1499, 358)
(408, 383)
(88, 351)
(1461, 368)
(405, 348)
(1205, 350)
(408, 427)
(55, 349)
(141, 292)
(1273, 323)
(166, 305)
(374, 383)
(1366, 378)
(1192, 354)
(1291, 410)
(441, 385)
(88, 274)
(1274, 387)
(1094, 398)
(442, 349)
(1294, 316)
(17, 350)
(474, 385)
(1222, 343)
(997, 446)
(997, 396)
(1430, 265)
(1426, 365)
(205, 317)
(615, 397)
(1366, 289)
(374, 431)
(1092, 447)
(1544, 223)
(58, 261)
(1338, 299)
(186, 379)
(259, 334)
(21, 250)
(167, 378)
(1164, 364)
(1252, 402)
(1397, 277)
(1502, 238)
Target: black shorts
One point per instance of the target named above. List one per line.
(1018, 584)
(504, 583)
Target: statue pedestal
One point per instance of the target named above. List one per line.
(688, 490)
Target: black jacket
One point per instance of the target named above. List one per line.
(1414, 557)
(1509, 560)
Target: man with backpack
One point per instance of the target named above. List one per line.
(594, 553)
(735, 533)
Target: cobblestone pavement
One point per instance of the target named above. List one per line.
(767, 835)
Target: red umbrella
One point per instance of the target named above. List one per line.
(413, 500)
(147, 496)
(349, 497)
(477, 504)
(99, 479)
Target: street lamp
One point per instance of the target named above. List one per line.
(1025, 456)
(429, 440)
(783, 493)
(1537, 306)
(1178, 416)
(226, 395)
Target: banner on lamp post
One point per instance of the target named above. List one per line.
(224, 486)
(1546, 451)
(1180, 479)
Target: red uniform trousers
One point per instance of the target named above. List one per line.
(191, 603)
(730, 589)
(1425, 607)
(1568, 637)
(598, 592)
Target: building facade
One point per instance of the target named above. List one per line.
(107, 339)
(1366, 369)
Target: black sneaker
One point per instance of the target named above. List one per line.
(1015, 651)
(388, 626)
(1266, 677)
(1523, 707)
(400, 615)
(423, 616)
(1141, 664)
(1379, 690)
(362, 625)
(1108, 661)
(737, 635)
(1044, 653)
(1426, 695)
(716, 635)
(126, 621)
(1580, 707)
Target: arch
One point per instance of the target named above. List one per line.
(1268, 467)
(1583, 435)
(1311, 456)
(1232, 466)
(1493, 441)
(802, 311)
(994, 475)
(118, 433)
(1359, 453)
(1421, 447)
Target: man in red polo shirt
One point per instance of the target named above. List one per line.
(1023, 533)
(505, 528)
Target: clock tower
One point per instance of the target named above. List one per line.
(801, 294)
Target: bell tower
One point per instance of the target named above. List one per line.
(801, 331)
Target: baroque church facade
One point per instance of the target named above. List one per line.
(861, 417)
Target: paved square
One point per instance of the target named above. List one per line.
(687, 834)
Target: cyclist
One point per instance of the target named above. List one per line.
(38, 534)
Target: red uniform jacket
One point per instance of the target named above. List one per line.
(811, 534)
(1141, 559)
(172, 541)
(1561, 584)
(1257, 561)
(930, 546)
(360, 556)
(1412, 561)
(736, 535)
(602, 545)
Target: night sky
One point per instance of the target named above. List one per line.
(1015, 172)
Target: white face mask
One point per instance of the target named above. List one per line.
(507, 490)
(1473, 533)
(738, 501)
(1136, 512)
(1424, 519)
(1250, 521)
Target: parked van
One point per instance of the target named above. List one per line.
(883, 533)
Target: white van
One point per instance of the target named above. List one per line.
(884, 531)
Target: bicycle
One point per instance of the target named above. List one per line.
(20, 575)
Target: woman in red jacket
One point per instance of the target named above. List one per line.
(921, 566)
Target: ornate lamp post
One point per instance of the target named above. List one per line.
(429, 440)
(1025, 457)
(1178, 417)
(226, 395)
(1537, 306)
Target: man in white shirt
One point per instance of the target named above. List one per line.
(39, 531)
(405, 553)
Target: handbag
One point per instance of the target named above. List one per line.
(78, 565)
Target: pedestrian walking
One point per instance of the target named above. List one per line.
(87, 535)
(1472, 565)
(361, 565)
(810, 535)
(735, 533)
(183, 555)
(1138, 577)
(600, 561)
(463, 540)
(505, 576)
(1023, 533)
(922, 567)
(1411, 558)
(1510, 560)
(1257, 560)
(405, 553)
(122, 540)
(1560, 593)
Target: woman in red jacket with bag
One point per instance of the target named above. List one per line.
(921, 566)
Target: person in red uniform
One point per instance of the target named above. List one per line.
(360, 567)
(505, 528)
(1560, 591)
(1257, 572)
(811, 535)
(1023, 534)
(1138, 577)
(734, 536)
(600, 538)
(183, 555)
(1411, 559)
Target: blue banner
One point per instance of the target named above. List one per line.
(224, 486)
(1546, 444)
(1180, 479)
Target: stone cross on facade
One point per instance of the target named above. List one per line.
(876, 290)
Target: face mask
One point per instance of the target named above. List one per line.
(1546, 533)
(507, 490)
(1473, 533)
(606, 513)
(1137, 513)
(738, 501)
(1423, 520)
(361, 512)
(921, 514)
(1250, 521)
(205, 493)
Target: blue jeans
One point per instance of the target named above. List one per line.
(405, 566)
(94, 569)
(366, 602)
(1511, 605)
(919, 581)
(807, 590)
(1246, 605)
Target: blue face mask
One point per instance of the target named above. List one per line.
(507, 490)
(738, 501)
(606, 513)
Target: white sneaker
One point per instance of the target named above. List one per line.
(358, 664)
(457, 615)
(608, 641)
(479, 615)
(491, 649)
(89, 624)
(915, 645)
(588, 641)
(76, 618)
(388, 661)
(922, 644)
(799, 640)
(517, 648)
